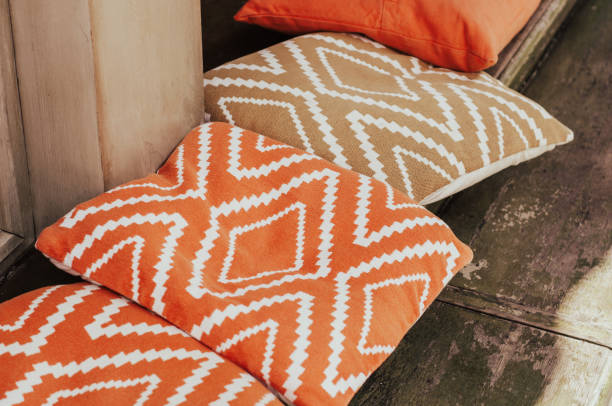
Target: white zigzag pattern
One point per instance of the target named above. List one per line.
(240, 230)
(361, 219)
(34, 377)
(259, 145)
(376, 55)
(196, 287)
(484, 80)
(399, 151)
(237, 385)
(272, 327)
(29, 311)
(266, 399)
(180, 171)
(196, 378)
(364, 236)
(309, 100)
(301, 344)
(224, 101)
(408, 94)
(356, 118)
(138, 243)
(102, 326)
(498, 114)
(537, 132)
(450, 128)
(77, 215)
(152, 380)
(332, 383)
(165, 259)
(39, 339)
(264, 169)
(367, 314)
(392, 205)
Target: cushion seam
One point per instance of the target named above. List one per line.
(467, 51)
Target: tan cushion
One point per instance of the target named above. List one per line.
(427, 131)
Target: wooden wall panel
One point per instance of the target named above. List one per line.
(15, 203)
(108, 89)
(148, 58)
(54, 57)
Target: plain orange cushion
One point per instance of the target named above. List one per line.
(464, 35)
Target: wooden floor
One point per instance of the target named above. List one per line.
(529, 322)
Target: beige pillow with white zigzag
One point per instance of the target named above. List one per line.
(427, 131)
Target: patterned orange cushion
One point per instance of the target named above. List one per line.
(305, 274)
(83, 345)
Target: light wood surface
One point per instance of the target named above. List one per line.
(108, 89)
(15, 203)
(148, 59)
(54, 56)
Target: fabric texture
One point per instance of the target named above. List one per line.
(305, 274)
(81, 344)
(465, 35)
(428, 132)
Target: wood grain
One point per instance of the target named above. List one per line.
(15, 201)
(108, 89)
(148, 59)
(55, 67)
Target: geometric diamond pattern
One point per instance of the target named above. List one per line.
(94, 347)
(428, 132)
(273, 257)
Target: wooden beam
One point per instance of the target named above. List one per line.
(149, 74)
(108, 88)
(520, 57)
(15, 207)
(53, 47)
(8, 243)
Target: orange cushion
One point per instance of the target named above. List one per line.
(464, 35)
(83, 345)
(305, 274)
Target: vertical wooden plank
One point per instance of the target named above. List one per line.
(55, 67)
(148, 59)
(108, 89)
(15, 202)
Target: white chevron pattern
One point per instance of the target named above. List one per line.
(329, 242)
(68, 367)
(425, 130)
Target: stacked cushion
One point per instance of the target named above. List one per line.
(305, 274)
(82, 344)
(465, 35)
(428, 132)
